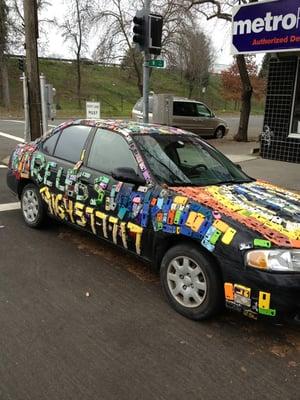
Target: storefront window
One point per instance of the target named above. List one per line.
(295, 125)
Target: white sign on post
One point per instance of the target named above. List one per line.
(92, 110)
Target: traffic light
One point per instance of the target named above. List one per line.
(139, 31)
(21, 64)
(155, 33)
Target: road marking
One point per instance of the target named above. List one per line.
(3, 166)
(10, 206)
(16, 138)
(12, 120)
(22, 122)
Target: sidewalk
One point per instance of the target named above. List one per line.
(280, 173)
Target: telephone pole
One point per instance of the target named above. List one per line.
(32, 67)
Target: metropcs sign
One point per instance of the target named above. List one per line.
(268, 26)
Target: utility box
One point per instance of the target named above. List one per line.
(163, 109)
(50, 92)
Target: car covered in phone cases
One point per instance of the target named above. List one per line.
(216, 235)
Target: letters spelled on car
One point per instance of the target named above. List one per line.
(216, 236)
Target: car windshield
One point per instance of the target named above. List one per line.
(185, 160)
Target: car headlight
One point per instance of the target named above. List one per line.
(274, 260)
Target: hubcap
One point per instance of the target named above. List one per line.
(186, 282)
(219, 134)
(30, 205)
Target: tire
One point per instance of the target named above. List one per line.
(33, 209)
(197, 295)
(219, 132)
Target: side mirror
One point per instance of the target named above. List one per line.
(239, 166)
(127, 175)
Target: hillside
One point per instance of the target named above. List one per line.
(114, 87)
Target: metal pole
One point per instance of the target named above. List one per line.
(146, 67)
(44, 104)
(26, 109)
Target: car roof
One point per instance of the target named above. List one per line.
(125, 127)
(186, 100)
(176, 98)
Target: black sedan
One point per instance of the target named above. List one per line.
(215, 235)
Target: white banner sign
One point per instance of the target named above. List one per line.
(92, 110)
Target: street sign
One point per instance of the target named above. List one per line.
(92, 110)
(156, 63)
(268, 26)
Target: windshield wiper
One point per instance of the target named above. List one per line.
(233, 181)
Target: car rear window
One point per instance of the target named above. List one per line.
(71, 143)
(110, 151)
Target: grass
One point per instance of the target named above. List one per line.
(114, 87)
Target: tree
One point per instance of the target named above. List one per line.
(17, 26)
(231, 83)
(3, 48)
(222, 9)
(75, 29)
(264, 70)
(191, 53)
(116, 39)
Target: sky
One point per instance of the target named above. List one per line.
(219, 32)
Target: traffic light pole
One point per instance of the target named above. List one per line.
(146, 68)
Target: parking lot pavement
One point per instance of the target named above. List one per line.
(5, 195)
(122, 340)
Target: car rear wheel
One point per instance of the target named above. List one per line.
(191, 283)
(33, 209)
(219, 132)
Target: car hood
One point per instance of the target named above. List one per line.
(270, 210)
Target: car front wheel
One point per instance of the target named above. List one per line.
(219, 132)
(191, 283)
(33, 209)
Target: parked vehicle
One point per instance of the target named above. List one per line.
(215, 235)
(190, 115)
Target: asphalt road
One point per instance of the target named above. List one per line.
(255, 126)
(123, 341)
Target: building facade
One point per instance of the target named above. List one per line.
(281, 133)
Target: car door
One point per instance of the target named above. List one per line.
(206, 122)
(185, 116)
(55, 169)
(115, 207)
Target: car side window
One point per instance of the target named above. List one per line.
(203, 111)
(50, 143)
(110, 151)
(71, 142)
(184, 109)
